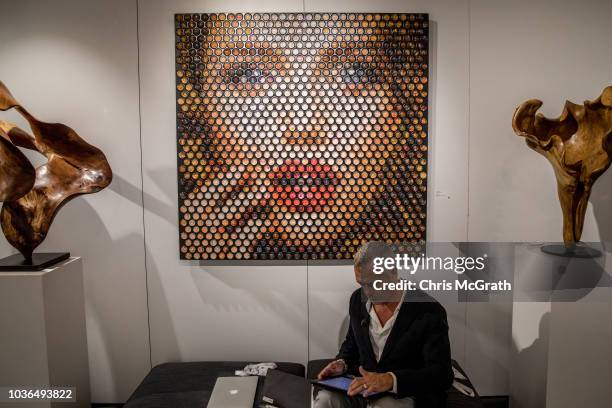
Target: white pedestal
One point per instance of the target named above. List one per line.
(562, 331)
(43, 340)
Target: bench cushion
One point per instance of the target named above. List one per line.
(189, 385)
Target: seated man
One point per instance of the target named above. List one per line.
(397, 343)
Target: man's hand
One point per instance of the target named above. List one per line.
(333, 369)
(370, 383)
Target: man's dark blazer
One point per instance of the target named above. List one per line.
(417, 350)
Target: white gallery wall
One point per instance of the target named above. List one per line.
(552, 50)
(107, 70)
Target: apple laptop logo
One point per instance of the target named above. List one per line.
(233, 392)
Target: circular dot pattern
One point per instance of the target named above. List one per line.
(300, 135)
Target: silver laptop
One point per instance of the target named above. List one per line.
(233, 392)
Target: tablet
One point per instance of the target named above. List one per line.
(339, 383)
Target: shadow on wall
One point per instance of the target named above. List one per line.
(530, 369)
(124, 188)
(166, 335)
(248, 292)
(601, 199)
(167, 212)
(317, 332)
(110, 355)
(272, 295)
(487, 349)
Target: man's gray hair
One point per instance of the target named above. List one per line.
(364, 257)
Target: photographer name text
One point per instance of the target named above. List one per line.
(444, 285)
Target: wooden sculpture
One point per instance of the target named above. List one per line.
(578, 144)
(32, 198)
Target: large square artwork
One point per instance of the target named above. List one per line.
(300, 135)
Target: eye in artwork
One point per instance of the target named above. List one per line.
(300, 135)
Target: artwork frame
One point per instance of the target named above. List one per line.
(361, 82)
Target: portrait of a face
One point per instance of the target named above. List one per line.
(300, 135)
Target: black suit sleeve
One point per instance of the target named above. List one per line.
(437, 373)
(349, 351)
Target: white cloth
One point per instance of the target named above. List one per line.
(462, 388)
(256, 369)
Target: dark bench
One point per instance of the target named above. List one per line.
(189, 385)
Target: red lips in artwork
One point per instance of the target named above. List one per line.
(303, 185)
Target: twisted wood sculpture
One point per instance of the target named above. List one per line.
(578, 144)
(33, 197)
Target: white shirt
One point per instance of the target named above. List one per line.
(379, 333)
